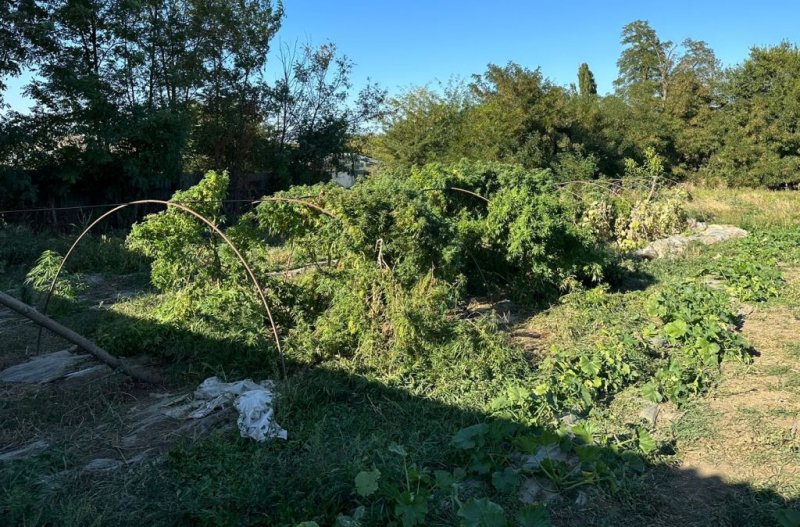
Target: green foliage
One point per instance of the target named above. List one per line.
(421, 223)
(41, 276)
(485, 465)
(131, 99)
(367, 482)
(759, 135)
(748, 279)
(423, 126)
(787, 517)
(482, 513)
(653, 219)
(675, 356)
(696, 331)
(533, 516)
(586, 83)
(182, 249)
(641, 208)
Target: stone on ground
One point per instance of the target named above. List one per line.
(679, 243)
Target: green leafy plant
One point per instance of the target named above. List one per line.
(698, 331)
(748, 277)
(41, 276)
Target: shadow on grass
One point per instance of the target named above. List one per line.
(341, 422)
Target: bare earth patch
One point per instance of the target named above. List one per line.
(755, 421)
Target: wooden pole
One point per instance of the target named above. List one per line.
(101, 354)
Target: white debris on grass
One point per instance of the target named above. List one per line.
(253, 401)
(700, 233)
(25, 452)
(45, 368)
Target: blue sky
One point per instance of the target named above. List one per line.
(403, 44)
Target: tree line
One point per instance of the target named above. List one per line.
(132, 97)
(736, 126)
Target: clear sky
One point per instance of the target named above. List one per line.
(399, 44)
(413, 42)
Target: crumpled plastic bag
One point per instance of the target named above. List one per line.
(252, 400)
(256, 416)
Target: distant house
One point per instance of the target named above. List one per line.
(351, 168)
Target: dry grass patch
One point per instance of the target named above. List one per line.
(746, 208)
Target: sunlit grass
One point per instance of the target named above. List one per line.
(746, 208)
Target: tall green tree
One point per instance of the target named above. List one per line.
(759, 120)
(586, 82)
(519, 116)
(648, 65)
(131, 96)
(646, 62)
(231, 43)
(310, 119)
(671, 93)
(424, 125)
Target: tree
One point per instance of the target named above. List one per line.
(758, 122)
(19, 20)
(424, 125)
(309, 118)
(646, 61)
(519, 116)
(671, 91)
(132, 95)
(231, 43)
(586, 83)
(648, 65)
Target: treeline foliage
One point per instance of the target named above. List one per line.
(131, 96)
(735, 126)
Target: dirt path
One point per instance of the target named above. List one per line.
(749, 441)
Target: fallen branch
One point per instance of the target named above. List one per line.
(83, 343)
(300, 270)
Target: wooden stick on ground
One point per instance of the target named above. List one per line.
(101, 354)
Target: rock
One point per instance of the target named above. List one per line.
(537, 490)
(719, 233)
(650, 413)
(44, 368)
(503, 310)
(569, 419)
(581, 499)
(713, 283)
(745, 310)
(679, 243)
(25, 452)
(531, 462)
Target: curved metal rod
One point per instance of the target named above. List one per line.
(297, 202)
(457, 189)
(201, 218)
(465, 191)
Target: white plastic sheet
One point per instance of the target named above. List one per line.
(253, 401)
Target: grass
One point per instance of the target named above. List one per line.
(694, 424)
(745, 208)
(343, 419)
